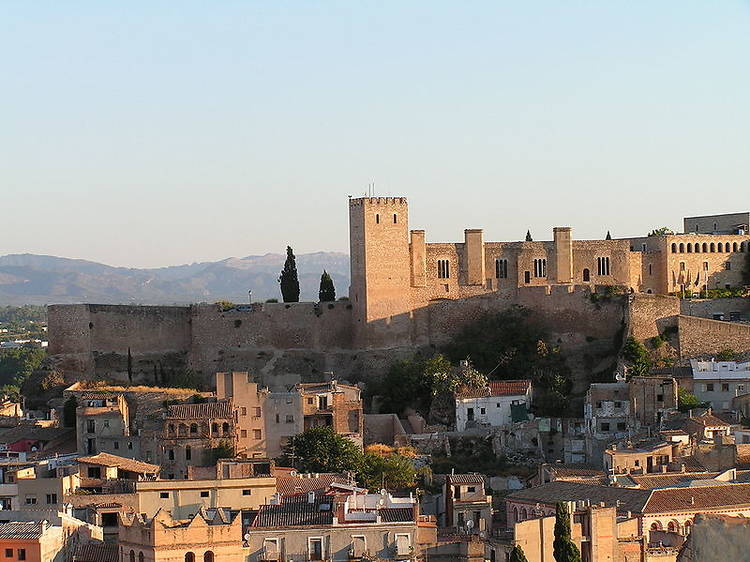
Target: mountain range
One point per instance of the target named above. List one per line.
(39, 279)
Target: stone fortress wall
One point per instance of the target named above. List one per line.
(405, 293)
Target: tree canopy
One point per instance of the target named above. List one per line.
(528, 236)
(565, 549)
(327, 292)
(517, 555)
(288, 280)
(320, 449)
(663, 231)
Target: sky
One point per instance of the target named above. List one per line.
(154, 133)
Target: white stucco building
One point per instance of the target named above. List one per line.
(492, 405)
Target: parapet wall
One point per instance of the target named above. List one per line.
(701, 336)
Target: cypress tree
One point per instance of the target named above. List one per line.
(528, 236)
(327, 292)
(288, 279)
(517, 555)
(565, 549)
(609, 236)
(130, 367)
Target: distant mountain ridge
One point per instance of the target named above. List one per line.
(40, 279)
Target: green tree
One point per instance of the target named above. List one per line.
(225, 305)
(327, 292)
(320, 449)
(565, 549)
(16, 365)
(392, 472)
(686, 400)
(224, 450)
(517, 555)
(528, 236)
(288, 279)
(637, 355)
(609, 236)
(69, 411)
(726, 355)
(663, 231)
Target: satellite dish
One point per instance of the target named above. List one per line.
(469, 524)
(247, 536)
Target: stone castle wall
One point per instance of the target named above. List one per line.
(699, 336)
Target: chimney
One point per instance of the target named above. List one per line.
(310, 497)
(692, 500)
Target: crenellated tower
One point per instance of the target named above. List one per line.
(380, 263)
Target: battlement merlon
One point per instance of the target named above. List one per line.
(368, 201)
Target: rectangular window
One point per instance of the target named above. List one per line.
(247, 492)
(709, 387)
(444, 270)
(9, 553)
(471, 489)
(188, 454)
(30, 500)
(620, 426)
(705, 266)
(90, 426)
(482, 411)
(243, 433)
(725, 387)
(94, 472)
(106, 423)
(256, 412)
(244, 411)
(602, 266)
(256, 434)
(527, 277)
(402, 545)
(164, 495)
(271, 547)
(22, 554)
(204, 493)
(682, 266)
(315, 548)
(311, 400)
(660, 398)
(540, 268)
(501, 269)
(618, 404)
(359, 545)
(289, 418)
(51, 498)
(117, 444)
(605, 426)
(728, 265)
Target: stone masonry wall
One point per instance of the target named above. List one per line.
(701, 336)
(650, 314)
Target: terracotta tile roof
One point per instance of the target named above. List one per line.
(465, 479)
(21, 530)
(709, 420)
(131, 465)
(290, 485)
(698, 498)
(550, 494)
(205, 410)
(579, 471)
(497, 388)
(673, 480)
(96, 553)
(296, 511)
(397, 514)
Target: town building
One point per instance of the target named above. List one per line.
(643, 456)
(103, 424)
(248, 405)
(211, 535)
(717, 383)
(192, 432)
(707, 426)
(499, 403)
(468, 507)
(339, 524)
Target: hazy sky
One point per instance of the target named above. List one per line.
(155, 133)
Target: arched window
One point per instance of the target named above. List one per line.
(682, 248)
(182, 429)
(132, 556)
(586, 275)
(690, 248)
(193, 428)
(719, 247)
(214, 428)
(688, 526)
(697, 248)
(171, 428)
(209, 556)
(515, 514)
(654, 526)
(672, 527)
(705, 248)
(524, 514)
(713, 248)
(734, 247)
(189, 557)
(674, 248)
(140, 557)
